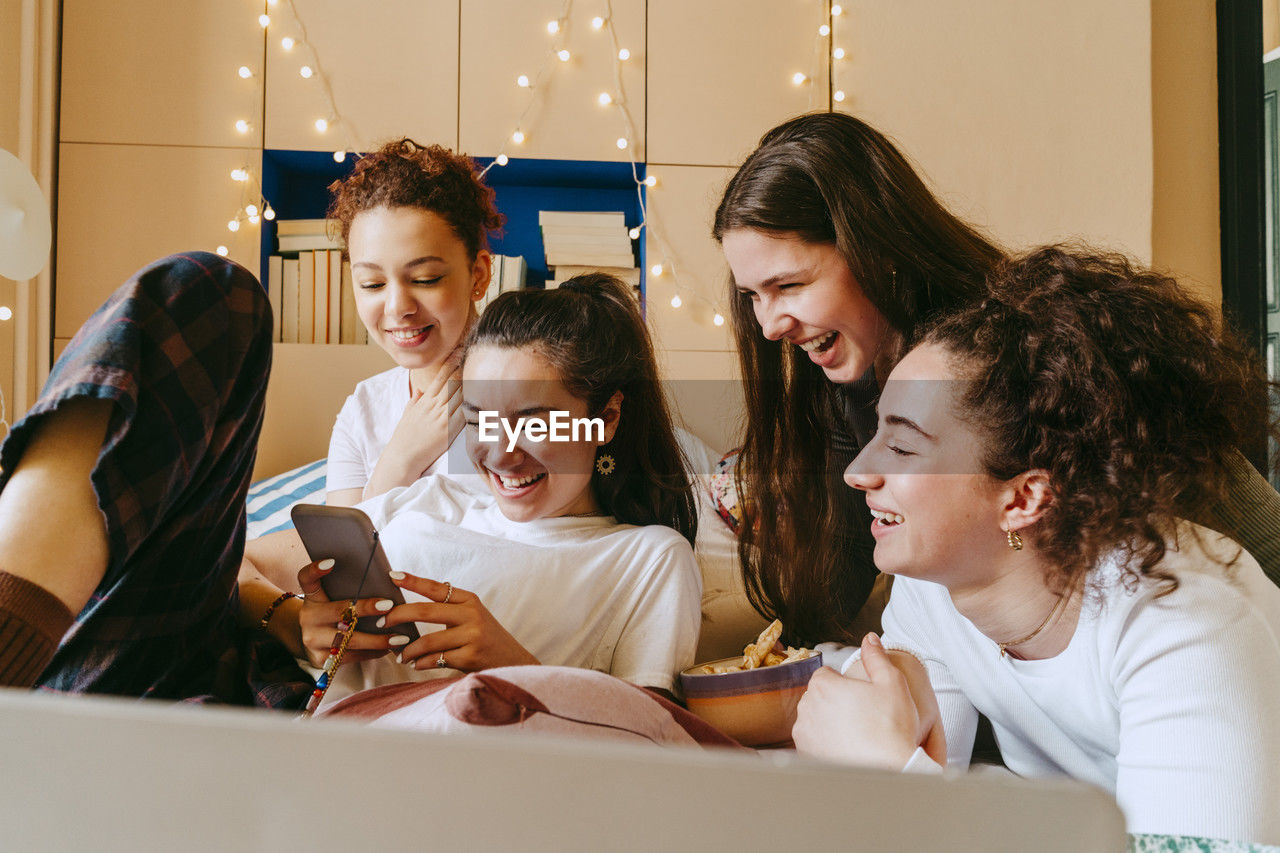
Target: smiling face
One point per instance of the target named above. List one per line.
(937, 514)
(545, 479)
(415, 286)
(804, 293)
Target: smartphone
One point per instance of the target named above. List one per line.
(346, 535)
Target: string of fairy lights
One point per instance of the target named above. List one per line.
(254, 206)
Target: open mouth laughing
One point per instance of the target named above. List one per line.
(516, 486)
(821, 343)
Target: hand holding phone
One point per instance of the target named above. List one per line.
(347, 536)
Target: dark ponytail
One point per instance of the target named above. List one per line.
(591, 331)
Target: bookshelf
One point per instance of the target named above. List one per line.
(295, 182)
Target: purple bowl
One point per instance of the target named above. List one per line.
(756, 707)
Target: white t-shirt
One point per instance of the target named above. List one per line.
(1172, 703)
(365, 425)
(586, 592)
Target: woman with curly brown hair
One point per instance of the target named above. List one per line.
(415, 220)
(1026, 480)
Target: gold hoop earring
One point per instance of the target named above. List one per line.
(1015, 539)
(605, 464)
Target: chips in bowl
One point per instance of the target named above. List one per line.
(752, 698)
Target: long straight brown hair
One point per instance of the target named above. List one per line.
(591, 331)
(829, 178)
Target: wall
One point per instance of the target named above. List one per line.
(1033, 119)
(1185, 237)
(10, 50)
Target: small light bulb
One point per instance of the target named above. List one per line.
(824, 30)
(798, 78)
(268, 213)
(838, 95)
(553, 27)
(243, 126)
(322, 125)
(838, 53)
(564, 55)
(523, 81)
(6, 313)
(239, 175)
(233, 225)
(634, 233)
(624, 55)
(656, 270)
(837, 9)
(253, 220)
(597, 22)
(676, 301)
(264, 21)
(245, 72)
(222, 250)
(517, 137)
(251, 209)
(503, 159)
(605, 99)
(718, 319)
(287, 42)
(651, 181)
(622, 142)
(271, 2)
(339, 156)
(306, 72)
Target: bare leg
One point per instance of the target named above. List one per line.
(51, 530)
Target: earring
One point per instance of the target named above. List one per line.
(605, 464)
(1015, 539)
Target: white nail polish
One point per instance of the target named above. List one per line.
(325, 564)
(399, 658)
(382, 622)
(396, 576)
(399, 640)
(384, 605)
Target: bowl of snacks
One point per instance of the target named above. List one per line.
(752, 698)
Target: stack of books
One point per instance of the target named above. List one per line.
(578, 242)
(508, 273)
(310, 288)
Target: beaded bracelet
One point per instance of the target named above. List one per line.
(271, 608)
(346, 627)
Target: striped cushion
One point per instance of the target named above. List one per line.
(271, 499)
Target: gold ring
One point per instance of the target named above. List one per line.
(440, 662)
(448, 595)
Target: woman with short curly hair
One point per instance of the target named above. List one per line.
(1025, 481)
(415, 221)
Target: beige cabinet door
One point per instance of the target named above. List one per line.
(705, 393)
(160, 72)
(722, 72)
(121, 207)
(392, 67)
(1042, 131)
(559, 113)
(681, 207)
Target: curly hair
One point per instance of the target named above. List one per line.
(405, 174)
(1130, 392)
